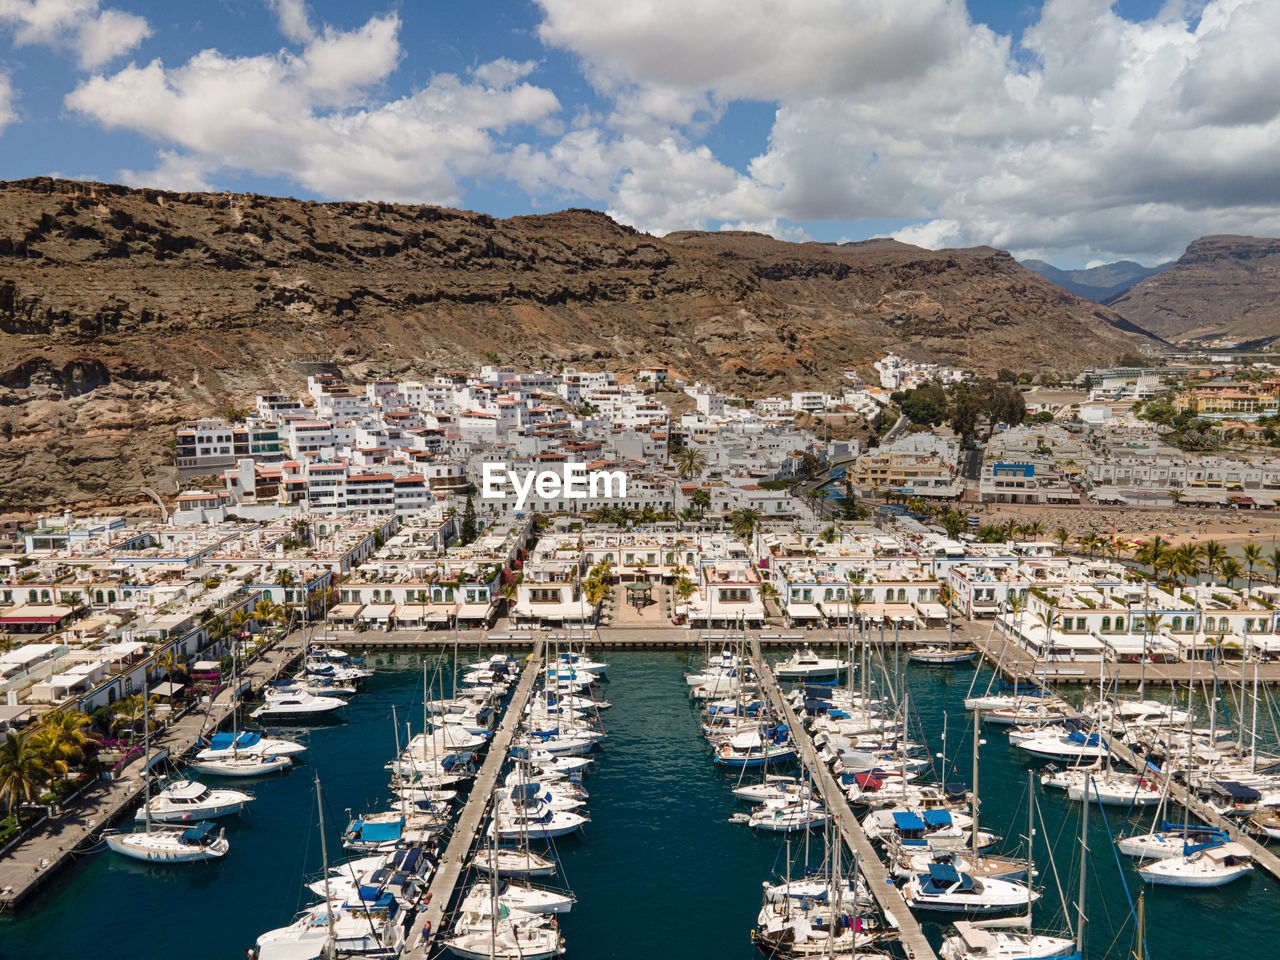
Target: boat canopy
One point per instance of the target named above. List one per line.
(378, 832)
(936, 818)
(943, 876)
(907, 820)
(198, 833)
(1236, 791)
(225, 739)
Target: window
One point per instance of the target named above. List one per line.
(1106, 624)
(97, 596)
(902, 595)
(1176, 624)
(544, 595)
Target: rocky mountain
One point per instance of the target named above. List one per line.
(1223, 286)
(124, 312)
(1101, 283)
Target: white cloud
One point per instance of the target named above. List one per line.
(96, 35)
(312, 117)
(294, 19)
(1087, 136)
(7, 114)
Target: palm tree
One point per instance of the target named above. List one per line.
(22, 770)
(954, 524)
(1252, 553)
(285, 578)
(63, 739)
(508, 593)
(1214, 553)
(686, 589)
(1062, 536)
(1152, 554)
(1185, 562)
(1272, 560)
(744, 522)
(1089, 543)
(1033, 529)
(1231, 570)
(701, 501)
(690, 462)
(263, 609)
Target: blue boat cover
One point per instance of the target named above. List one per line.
(943, 875)
(224, 740)
(906, 820)
(936, 818)
(198, 832)
(524, 791)
(377, 832)
(1236, 791)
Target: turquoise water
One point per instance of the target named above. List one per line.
(660, 871)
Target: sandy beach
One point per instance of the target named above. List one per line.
(1232, 528)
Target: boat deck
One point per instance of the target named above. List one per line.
(429, 922)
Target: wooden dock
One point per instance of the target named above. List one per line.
(429, 922)
(1262, 856)
(887, 895)
(61, 840)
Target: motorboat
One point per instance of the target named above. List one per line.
(353, 927)
(1206, 866)
(1071, 747)
(804, 664)
(946, 890)
(785, 816)
(296, 706)
(533, 820)
(186, 800)
(171, 845)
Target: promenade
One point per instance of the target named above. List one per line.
(27, 866)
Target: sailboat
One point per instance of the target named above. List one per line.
(1010, 938)
(496, 931)
(166, 844)
(1209, 865)
(241, 754)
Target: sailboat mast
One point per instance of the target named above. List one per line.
(395, 729)
(1084, 865)
(324, 856)
(146, 749)
(973, 835)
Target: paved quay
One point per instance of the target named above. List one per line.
(429, 922)
(27, 866)
(886, 894)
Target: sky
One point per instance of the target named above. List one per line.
(1076, 131)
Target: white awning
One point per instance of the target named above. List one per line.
(475, 611)
(377, 611)
(166, 689)
(803, 611)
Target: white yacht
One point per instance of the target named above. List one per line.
(804, 664)
(296, 706)
(248, 765)
(185, 800)
(246, 743)
(946, 890)
(514, 863)
(1172, 840)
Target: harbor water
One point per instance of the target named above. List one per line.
(659, 872)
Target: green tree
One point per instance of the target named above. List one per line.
(701, 500)
(22, 770)
(468, 532)
(690, 462)
(1252, 553)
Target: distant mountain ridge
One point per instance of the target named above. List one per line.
(1222, 287)
(1101, 283)
(125, 311)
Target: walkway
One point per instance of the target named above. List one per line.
(26, 867)
(429, 922)
(887, 895)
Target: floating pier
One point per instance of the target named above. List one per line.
(887, 895)
(428, 923)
